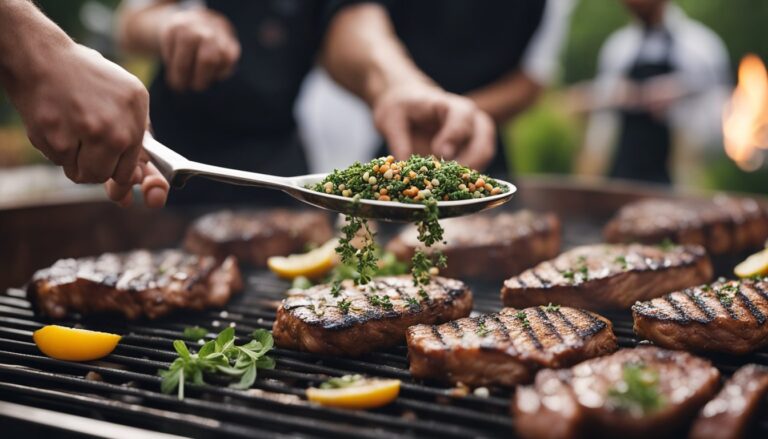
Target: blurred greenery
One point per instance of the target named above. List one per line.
(546, 137)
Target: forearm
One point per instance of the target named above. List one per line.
(27, 36)
(507, 96)
(362, 52)
(138, 27)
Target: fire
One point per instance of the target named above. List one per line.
(745, 119)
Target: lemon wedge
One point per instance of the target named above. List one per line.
(312, 264)
(73, 344)
(755, 265)
(364, 394)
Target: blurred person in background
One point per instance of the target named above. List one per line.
(662, 81)
(499, 54)
(231, 70)
(83, 112)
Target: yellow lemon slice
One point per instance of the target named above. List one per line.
(755, 265)
(312, 264)
(367, 394)
(74, 344)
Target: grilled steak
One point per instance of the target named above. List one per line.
(489, 246)
(138, 283)
(641, 392)
(254, 236)
(727, 316)
(606, 276)
(722, 224)
(366, 318)
(507, 348)
(728, 415)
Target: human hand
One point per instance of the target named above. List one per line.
(153, 185)
(423, 119)
(198, 47)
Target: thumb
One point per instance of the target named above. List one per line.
(395, 129)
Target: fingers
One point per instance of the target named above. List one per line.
(457, 129)
(482, 146)
(180, 63)
(394, 127)
(154, 187)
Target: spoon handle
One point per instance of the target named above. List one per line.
(177, 169)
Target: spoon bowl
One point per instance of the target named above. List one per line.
(177, 170)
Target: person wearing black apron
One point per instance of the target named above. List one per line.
(644, 141)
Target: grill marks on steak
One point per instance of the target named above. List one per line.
(489, 246)
(313, 320)
(722, 224)
(138, 283)
(608, 276)
(728, 415)
(577, 402)
(727, 316)
(507, 348)
(254, 236)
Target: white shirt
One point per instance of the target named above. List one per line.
(700, 59)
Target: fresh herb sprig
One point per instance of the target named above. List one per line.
(222, 357)
(342, 382)
(551, 308)
(523, 318)
(638, 391)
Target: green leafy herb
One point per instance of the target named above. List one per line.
(523, 319)
(482, 330)
(638, 392)
(380, 301)
(412, 302)
(551, 308)
(344, 306)
(194, 333)
(363, 259)
(221, 357)
(336, 288)
(569, 275)
(667, 244)
(726, 293)
(622, 260)
(301, 283)
(342, 382)
(423, 295)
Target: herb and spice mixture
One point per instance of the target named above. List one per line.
(425, 180)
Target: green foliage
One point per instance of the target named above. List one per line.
(543, 140)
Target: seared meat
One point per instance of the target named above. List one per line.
(489, 246)
(366, 318)
(254, 236)
(722, 224)
(642, 392)
(138, 283)
(727, 316)
(507, 348)
(606, 276)
(728, 415)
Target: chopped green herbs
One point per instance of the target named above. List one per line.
(342, 382)
(551, 308)
(523, 318)
(667, 244)
(195, 333)
(220, 357)
(726, 293)
(482, 330)
(412, 302)
(301, 283)
(380, 301)
(638, 390)
(344, 306)
(419, 179)
(622, 261)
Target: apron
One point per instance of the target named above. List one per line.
(644, 140)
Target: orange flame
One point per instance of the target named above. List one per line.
(745, 118)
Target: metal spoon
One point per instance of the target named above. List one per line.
(177, 170)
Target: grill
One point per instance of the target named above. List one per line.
(102, 398)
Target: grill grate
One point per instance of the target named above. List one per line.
(127, 391)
